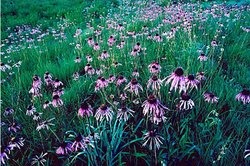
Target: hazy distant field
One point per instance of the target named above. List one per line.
(125, 82)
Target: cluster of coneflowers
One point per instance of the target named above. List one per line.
(14, 142)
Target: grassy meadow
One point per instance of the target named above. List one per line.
(124, 82)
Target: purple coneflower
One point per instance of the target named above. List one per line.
(243, 96)
(96, 46)
(64, 148)
(16, 142)
(14, 127)
(214, 43)
(154, 67)
(120, 80)
(210, 97)
(154, 83)
(57, 101)
(154, 139)
(111, 78)
(200, 76)
(135, 73)
(191, 82)
(76, 76)
(177, 78)
(45, 124)
(104, 55)
(124, 112)
(186, 103)
(8, 111)
(37, 82)
(78, 59)
(123, 96)
(133, 87)
(30, 110)
(3, 66)
(85, 109)
(89, 58)
(153, 106)
(99, 71)
(91, 42)
(104, 112)
(156, 119)
(39, 160)
(78, 144)
(3, 155)
(202, 57)
(57, 83)
(101, 83)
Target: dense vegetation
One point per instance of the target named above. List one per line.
(125, 83)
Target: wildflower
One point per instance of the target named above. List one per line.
(58, 92)
(3, 66)
(57, 83)
(37, 82)
(57, 101)
(78, 144)
(75, 76)
(91, 42)
(214, 43)
(111, 41)
(85, 109)
(16, 142)
(14, 127)
(37, 116)
(47, 75)
(78, 59)
(191, 82)
(200, 76)
(78, 32)
(156, 119)
(96, 46)
(8, 111)
(154, 83)
(3, 155)
(186, 103)
(99, 71)
(243, 96)
(111, 78)
(115, 64)
(135, 73)
(101, 83)
(137, 47)
(123, 113)
(134, 52)
(153, 106)
(154, 67)
(210, 97)
(36, 91)
(64, 148)
(133, 86)
(104, 112)
(39, 159)
(48, 80)
(45, 124)
(202, 57)
(89, 58)
(104, 55)
(123, 96)
(154, 139)
(30, 110)
(177, 78)
(120, 80)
